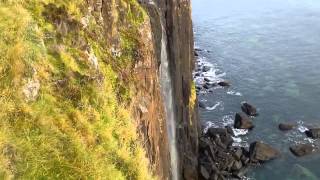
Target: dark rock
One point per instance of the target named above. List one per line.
(198, 49)
(242, 121)
(224, 83)
(237, 154)
(196, 53)
(313, 133)
(301, 149)
(217, 131)
(206, 68)
(204, 173)
(245, 160)
(230, 130)
(237, 165)
(286, 126)
(208, 86)
(249, 109)
(207, 79)
(202, 105)
(241, 173)
(262, 152)
(226, 140)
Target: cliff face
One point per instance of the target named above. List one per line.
(176, 18)
(81, 92)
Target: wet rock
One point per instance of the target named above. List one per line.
(204, 173)
(207, 79)
(216, 131)
(313, 133)
(286, 126)
(196, 53)
(301, 149)
(202, 105)
(237, 154)
(237, 165)
(227, 140)
(230, 130)
(224, 83)
(242, 121)
(198, 49)
(241, 173)
(208, 86)
(249, 109)
(206, 68)
(299, 172)
(262, 152)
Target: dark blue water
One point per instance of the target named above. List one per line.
(270, 51)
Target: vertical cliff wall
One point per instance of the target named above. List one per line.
(176, 18)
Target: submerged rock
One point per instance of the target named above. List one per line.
(301, 149)
(313, 133)
(202, 105)
(261, 152)
(242, 121)
(249, 109)
(299, 172)
(286, 126)
(224, 83)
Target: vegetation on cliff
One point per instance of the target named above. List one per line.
(64, 90)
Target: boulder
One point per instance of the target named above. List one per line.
(249, 109)
(262, 152)
(286, 126)
(242, 121)
(313, 133)
(301, 149)
(224, 83)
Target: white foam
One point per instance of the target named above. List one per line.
(240, 132)
(230, 92)
(214, 106)
(301, 127)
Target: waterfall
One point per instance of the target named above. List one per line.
(167, 94)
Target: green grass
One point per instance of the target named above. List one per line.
(79, 126)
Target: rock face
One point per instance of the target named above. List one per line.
(301, 149)
(242, 121)
(313, 133)
(261, 152)
(249, 109)
(176, 18)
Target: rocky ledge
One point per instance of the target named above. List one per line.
(220, 160)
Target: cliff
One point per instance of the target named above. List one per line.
(82, 93)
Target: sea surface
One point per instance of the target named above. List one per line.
(270, 52)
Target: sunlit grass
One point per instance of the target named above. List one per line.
(76, 128)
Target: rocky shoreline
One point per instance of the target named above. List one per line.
(219, 158)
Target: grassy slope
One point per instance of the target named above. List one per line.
(76, 128)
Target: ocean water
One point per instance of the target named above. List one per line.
(270, 52)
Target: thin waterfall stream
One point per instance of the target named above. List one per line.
(166, 87)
